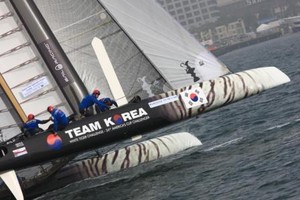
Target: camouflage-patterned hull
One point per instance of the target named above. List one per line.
(119, 159)
(222, 91)
(139, 118)
(130, 156)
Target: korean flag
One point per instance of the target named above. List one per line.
(193, 97)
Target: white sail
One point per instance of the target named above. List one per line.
(24, 79)
(75, 23)
(172, 50)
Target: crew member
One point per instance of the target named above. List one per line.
(31, 126)
(90, 100)
(59, 118)
(108, 102)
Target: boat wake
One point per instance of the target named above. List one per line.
(225, 144)
(82, 186)
(283, 125)
(278, 126)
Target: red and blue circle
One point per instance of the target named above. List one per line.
(194, 97)
(118, 119)
(54, 141)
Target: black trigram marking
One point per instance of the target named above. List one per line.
(190, 70)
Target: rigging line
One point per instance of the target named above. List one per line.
(6, 15)
(77, 22)
(78, 49)
(10, 126)
(158, 79)
(86, 45)
(5, 110)
(29, 80)
(111, 34)
(130, 96)
(141, 89)
(139, 69)
(16, 48)
(22, 64)
(130, 38)
(45, 111)
(12, 31)
(39, 95)
(124, 63)
(151, 83)
(82, 33)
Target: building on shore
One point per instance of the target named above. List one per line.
(192, 13)
(294, 23)
(219, 23)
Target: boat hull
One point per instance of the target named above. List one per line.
(113, 161)
(139, 118)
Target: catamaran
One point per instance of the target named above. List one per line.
(140, 53)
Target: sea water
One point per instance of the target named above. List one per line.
(251, 149)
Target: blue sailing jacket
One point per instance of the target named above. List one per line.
(59, 119)
(109, 102)
(90, 100)
(31, 126)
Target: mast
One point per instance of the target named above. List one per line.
(56, 60)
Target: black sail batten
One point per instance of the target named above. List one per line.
(56, 60)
